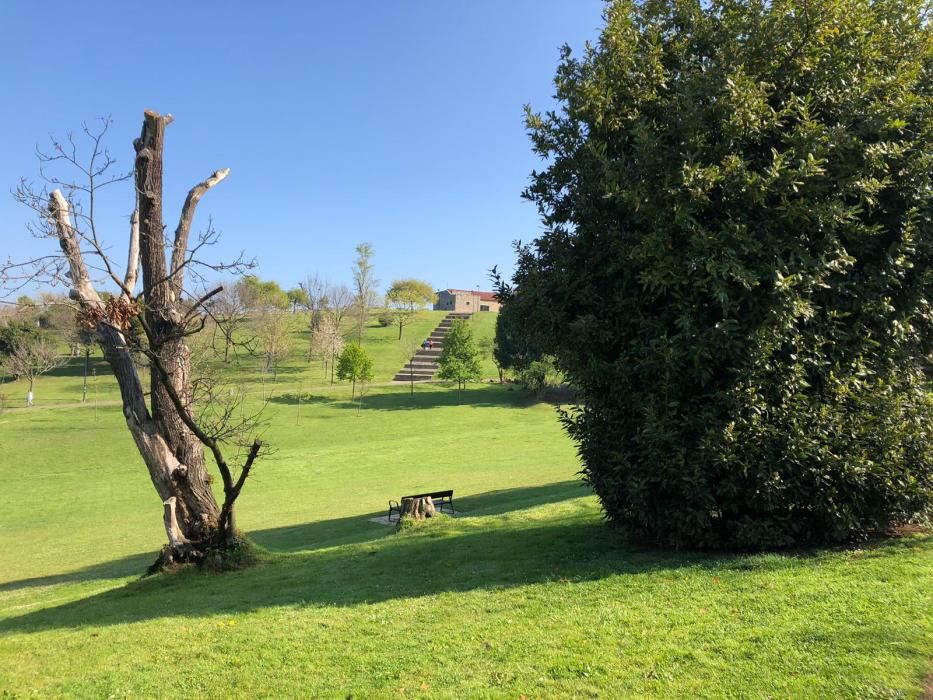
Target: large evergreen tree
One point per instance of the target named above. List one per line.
(736, 266)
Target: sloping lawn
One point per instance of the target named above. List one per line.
(527, 593)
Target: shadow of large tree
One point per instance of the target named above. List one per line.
(399, 398)
(441, 557)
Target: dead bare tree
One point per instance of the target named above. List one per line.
(167, 432)
(274, 331)
(30, 359)
(339, 303)
(327, 344)
(230, 318)
(315, 291)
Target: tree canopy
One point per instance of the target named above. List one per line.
(459, 359)
(355, 365)
(406, 298)
(735, 271)
(257, 294)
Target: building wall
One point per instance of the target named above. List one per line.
(463, 302)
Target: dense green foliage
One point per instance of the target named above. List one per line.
(736, 268)
(460, 359)
(405, 299)
(16, 333)
(515, 347)
(256, 294)
(354, 365)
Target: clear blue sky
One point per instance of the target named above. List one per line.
(395, 122)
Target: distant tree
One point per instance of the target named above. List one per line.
(298, 298)
(32, 358)
(354, 365)
(274, 328)
(259, 295)
(364, 283)
(487, 349)
(314, 301)
(229, 313)
(16, 333)
(459, 360)
(339, 303)
(406, 298)
(386, 317)
(326, 344)
(515, 347)
(56, 312)
(539, 375)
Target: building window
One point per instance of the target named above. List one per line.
(483, 307)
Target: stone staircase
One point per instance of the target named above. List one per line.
(423, 366)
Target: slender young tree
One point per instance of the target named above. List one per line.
(364, 283)
(230, 323)
(406, 298)
(355, 365)
(459, 360)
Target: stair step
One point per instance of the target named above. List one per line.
(423, 366)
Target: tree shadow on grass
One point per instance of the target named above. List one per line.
(458, 560)
(357, 528)
(308, 537)
(451, 556)
(117, 568)
(401, 399)
(75, 368)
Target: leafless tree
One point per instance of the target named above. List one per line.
(315, 289)
(167, 431)
(327, 344)
(339, 304)
(274, 331)
(31, 359)
(229, 315)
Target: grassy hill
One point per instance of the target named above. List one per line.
(64, 386)
(527, 593)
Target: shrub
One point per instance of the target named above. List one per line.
(736, 267)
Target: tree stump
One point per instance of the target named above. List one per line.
(418, 508)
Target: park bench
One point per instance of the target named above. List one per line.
(439, 498)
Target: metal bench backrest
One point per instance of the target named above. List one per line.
(436, 494)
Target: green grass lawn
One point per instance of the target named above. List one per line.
(63, 386)
(527, 593)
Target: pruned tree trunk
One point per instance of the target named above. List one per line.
(197, 509)
(166, 435)
(418, 508)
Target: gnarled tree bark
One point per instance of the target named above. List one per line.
(166, 435)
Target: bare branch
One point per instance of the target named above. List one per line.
(132, 262)
(81, 288)
(184, 224)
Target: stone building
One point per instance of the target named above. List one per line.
(465, 301)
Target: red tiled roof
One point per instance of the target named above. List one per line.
(483, 296)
